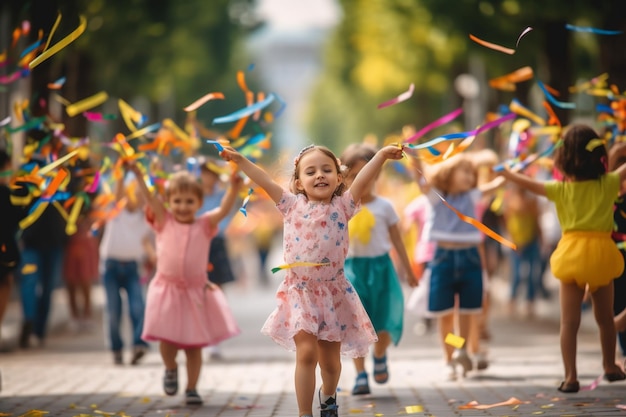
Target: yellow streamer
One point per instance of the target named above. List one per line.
(61, 44)
(131, 116)
(53, 165)
(86, 104)
(54, 28)
(30, 219)
(296, 264)
(71, 227)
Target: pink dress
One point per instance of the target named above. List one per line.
(180, 308)
(318, 299)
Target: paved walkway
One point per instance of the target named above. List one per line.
(74, 375)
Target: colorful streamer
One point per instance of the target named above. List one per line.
(246, 111)
(202, 100)
(47, 53)
(524, 32)
(86, 103)
(402, 97)
(592, 30)
(493, 46)
(298, 264)
(507, 82)
(244, 205)
(439, 122)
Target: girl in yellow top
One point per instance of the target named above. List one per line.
(586, 256)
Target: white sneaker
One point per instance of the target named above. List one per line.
(481, 361)
(449, 371)
(461, 357)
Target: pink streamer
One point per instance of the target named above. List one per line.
(593, 385)
(441, 121)
(402, 97)
(94, 184)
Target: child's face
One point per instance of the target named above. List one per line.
(353, 172)
(209, 179)
(463, 178)
(184, 205)
(317, 176)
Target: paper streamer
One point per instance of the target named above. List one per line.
(507, 82)
(244, 205)
(402, 97)
(492, 45)
(246, 111)
(202, 100)
(70, 227)
(477, 406)
(593, 385)
(297, 264)
(86, 104)
(60, 161)
(47, 53)
(592, 30)
(439, 122)
(524, 32)
(551, 99)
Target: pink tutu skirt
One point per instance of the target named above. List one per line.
(187, 314)
(330, 310)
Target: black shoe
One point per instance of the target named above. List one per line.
(329, 408)
(27, 330)
(192, 397)
(117, 357)
(138, 353)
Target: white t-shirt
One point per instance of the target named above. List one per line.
(369, 229)
(123, 236)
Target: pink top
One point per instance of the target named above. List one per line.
(182, 248)
(418, 211)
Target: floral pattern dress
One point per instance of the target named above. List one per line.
(318, 299)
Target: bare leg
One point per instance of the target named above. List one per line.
(473, 340)
(603, 311)
(194, 364)
(620, 321)
(446, 325)
(85, 289)
(5, 294)
(330, 365)
(168, 354)
(71, 292)
(380, 347)
(359, 365)
(464, 324)
(571, 299)
(306, 361)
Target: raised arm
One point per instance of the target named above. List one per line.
(524, 181)
(255, 173)
(152, 201)
(217, 214)
(617, 159)
(371, 170)
(405, 263)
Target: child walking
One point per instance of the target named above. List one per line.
(586, 256)
(184, 311)
(319, 315)
(456, 270)
(373, 233)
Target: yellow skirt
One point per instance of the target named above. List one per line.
(587, 258)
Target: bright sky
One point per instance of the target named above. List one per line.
(299, 14)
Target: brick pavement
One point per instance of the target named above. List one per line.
(74, 376)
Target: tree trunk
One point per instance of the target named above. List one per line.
(559, 63)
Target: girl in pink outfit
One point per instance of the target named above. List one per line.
(183, 309)
(319, 314)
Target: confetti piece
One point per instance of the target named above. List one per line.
(592, 30)
(478, 406)
(413, 409)
(198, 103)
(297, 264)
(355, 411)
(593, 385)
(402, 97)
(454, 340)
(47, 53)
(244, 205)
(621, 406)
(86, 103)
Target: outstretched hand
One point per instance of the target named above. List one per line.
(230, 154)
(393, 151)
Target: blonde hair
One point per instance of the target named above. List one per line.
(296, 168)
(183, 182)
(440, 175)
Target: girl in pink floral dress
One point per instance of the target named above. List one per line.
(319, 315)
(183, 309)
